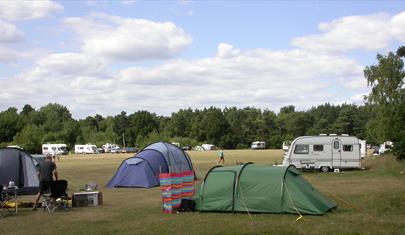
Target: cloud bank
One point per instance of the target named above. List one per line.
(88, 81)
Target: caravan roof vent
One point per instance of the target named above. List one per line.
(332, 134)
(323, 134)
(345, 134)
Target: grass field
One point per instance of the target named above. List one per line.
(371, 201)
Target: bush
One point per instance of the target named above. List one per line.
(142, 142)
(399, 149)
(242, 146)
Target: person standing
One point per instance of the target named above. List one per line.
(221, 156)
(54, 156)
(46, 173)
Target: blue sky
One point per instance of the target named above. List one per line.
(107, 56)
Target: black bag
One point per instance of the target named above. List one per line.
(187, 205)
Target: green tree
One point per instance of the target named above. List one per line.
(152, 137)
(323, 118)
(27, 109)
(141, 123)
(9, 124)
(196, 132)
(71, 129)
(345, 122)
(284, 123)
(298, 123)
(107, 127)
(53, 116)
(213, 125)
(386, 80)
(181, 123)
(30, 138)
(121, 124)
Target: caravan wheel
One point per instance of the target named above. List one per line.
(324, 169)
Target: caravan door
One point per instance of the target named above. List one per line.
(336, 153)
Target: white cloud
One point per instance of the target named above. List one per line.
(7, 56)
(128, 39)
(398, 26)
(355, 82)
(14, 56)
(358, 98)
(128, 2)
(9, 32)
(226, 51)
(371, 32)
(27, 10)
(72, 64)
(260, 78)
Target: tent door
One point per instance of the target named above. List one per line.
(218, 191)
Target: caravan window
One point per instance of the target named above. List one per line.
(318, 148)
(348, 148)
(336, 145)
(301, 149)
(45, 148)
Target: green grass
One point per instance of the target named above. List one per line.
(371, 201)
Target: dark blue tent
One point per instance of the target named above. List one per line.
(142, 170)
(18, 166)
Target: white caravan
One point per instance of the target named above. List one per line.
(324, 152)
(85, 148)
(208, 147)
(258, 145)
(385, 147)
(363, 148)
(286, 146)
(54, 149)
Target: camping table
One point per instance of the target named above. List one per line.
(10, 194)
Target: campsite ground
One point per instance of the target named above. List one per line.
(371, 201)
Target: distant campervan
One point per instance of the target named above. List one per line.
(54, 149)
(258, 145)
(85, 148)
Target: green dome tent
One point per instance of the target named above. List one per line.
(259, 188)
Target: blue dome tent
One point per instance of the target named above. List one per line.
(142, 170)
(18, 166)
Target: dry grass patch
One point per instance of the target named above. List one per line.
(370, 202)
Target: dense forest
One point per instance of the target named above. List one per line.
(380, 119)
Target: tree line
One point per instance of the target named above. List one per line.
(381, 118)
(230, 127)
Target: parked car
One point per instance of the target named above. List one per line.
(130, 150)
(116, 150)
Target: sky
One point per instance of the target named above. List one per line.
(104, 57)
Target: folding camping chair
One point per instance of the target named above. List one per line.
(3, 202)
(57, 198)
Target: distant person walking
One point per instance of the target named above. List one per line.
(46, 173)
(221, 156)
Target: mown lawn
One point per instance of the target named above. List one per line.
(371, 201)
